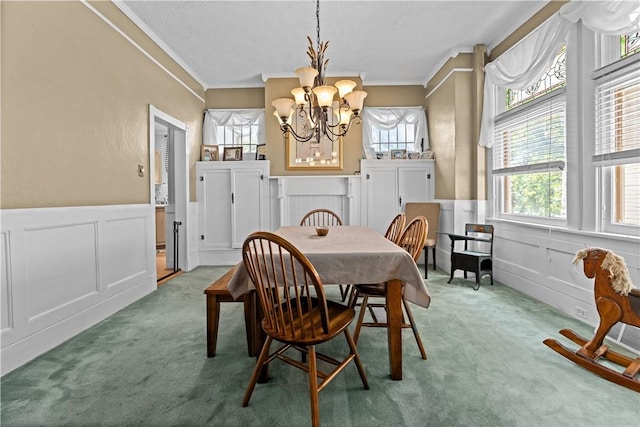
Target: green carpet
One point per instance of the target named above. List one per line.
(146, 365)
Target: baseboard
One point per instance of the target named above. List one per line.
(44, 340)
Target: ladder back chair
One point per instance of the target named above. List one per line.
(478, 259)
(431, 211)
(320, 217)
(412, 240)
(296, 313)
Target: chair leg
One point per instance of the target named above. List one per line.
(477, 286)
(313, 387)
(414, 328)
(353, 297)
(345, 291)
(451, 276)
(356, 357)
(434, 258)
(363, 309)
(426, 262)
(264, 354)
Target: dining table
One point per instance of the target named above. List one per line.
(357, 255)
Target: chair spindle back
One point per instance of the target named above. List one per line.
(394, 232)
(287, 285)
(321, 217)
(414, 236)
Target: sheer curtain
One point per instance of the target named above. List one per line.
(520, 67)
(525, 63)
(215, 118)
(389, 118)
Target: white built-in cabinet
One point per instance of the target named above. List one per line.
(233, 201)
(388, 185)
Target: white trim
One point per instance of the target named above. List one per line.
(179, 211)
(144, 52)
(466, 70)
(453, 52)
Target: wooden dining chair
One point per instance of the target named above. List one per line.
(412, 240)
(431, 211)
(296, 313)
(320, 217)
(394, 231)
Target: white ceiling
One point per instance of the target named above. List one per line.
(241, 43)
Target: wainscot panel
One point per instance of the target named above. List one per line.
(66, 269)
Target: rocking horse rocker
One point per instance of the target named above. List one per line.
(617, 301)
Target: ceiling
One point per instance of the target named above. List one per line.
(230, 44)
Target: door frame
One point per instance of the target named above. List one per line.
(180, 178)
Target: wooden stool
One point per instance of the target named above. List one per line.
(217, 293)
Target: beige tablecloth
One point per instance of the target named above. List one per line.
(349, 254)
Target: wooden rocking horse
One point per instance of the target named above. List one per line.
(617, 301)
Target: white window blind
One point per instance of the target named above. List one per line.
(531, 137)
(618, 114)
(617, 144)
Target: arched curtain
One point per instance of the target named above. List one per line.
(525, 63)
(215, 118)
(389, 118)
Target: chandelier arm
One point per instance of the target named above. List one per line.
(344, 128)
(286, 127)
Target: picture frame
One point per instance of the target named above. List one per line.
(261, 152)
(327, 155)
(232, 154)
(209, 153)
(413, 155)
(399, 154)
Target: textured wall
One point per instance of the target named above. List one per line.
(75, 97)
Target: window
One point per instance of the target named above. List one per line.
(529, 151)
(387, 129)
(617, 136)
(629, 44)
(234, 128)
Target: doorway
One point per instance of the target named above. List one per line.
(168, 183)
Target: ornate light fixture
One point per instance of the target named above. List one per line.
(318, 114)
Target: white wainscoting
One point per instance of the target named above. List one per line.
(293, 196)
(66, 269)
(536, 260)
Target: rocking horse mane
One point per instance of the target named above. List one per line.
(618, 272)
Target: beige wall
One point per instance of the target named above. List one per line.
(235, 98)
(395, 96)
(449, 113)
(75, 97)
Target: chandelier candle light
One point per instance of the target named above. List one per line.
(321, 116)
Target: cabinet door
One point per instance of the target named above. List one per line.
(382, 197)
(247, 185)
(215, 208)
(414, 185)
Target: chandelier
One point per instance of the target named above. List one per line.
(317, 114)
